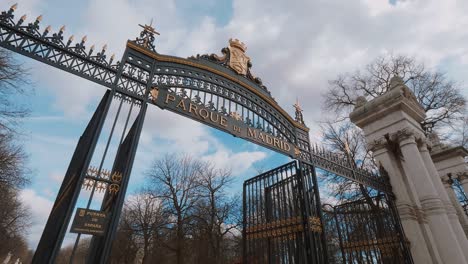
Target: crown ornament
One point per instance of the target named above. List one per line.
(238, 44)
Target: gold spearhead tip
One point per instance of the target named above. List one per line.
(48, 28)
(13, 7)
(113, 57)
(23, 17)
(62, 29)
(84, 39)
(39, 18)
(92, 47)
(71, 38)
(105, 47)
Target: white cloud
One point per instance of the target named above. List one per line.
(40, 208)
(238, 162)
(295, 47)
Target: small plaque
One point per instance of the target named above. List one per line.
(89, 222)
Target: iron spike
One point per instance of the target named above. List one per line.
(13, 7)
(62, 29)
(39, 18)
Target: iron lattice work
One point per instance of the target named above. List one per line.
(207, 79)
(282, 217)
(365, 231)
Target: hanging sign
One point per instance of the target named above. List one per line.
(89, 222)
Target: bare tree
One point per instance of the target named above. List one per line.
(12, 82)
(458, 134)
(14, 221)
(125, 246)
(144, 216)
(345, 139)
(439, 96)
(217, 214)
(13, 170)
(174, 181)
(14, 216)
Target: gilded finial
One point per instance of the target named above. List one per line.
(39, 18)
(299, 116)
(105, 47)
(84, 39)
(71, 38)
(62, 29)
(48, 28)
(13, 7)
(297, 106)
(23, 17)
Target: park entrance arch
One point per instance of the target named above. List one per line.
(217, 90)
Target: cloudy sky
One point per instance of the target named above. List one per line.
(295, 47)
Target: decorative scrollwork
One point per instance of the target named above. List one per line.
(147, 37)
(234, 58)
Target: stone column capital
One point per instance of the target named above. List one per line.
(378, 145)
(446, 180)
(424, 144)
(404, 136)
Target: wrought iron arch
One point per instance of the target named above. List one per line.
(129, 78)
(143, 76)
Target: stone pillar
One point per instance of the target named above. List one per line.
(451, 161)
(444, 196)
(431, 202)
(413, 220)
(395, 117)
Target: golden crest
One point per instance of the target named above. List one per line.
(114, 188)
(238, 61)
(82, 212)
(117, 176)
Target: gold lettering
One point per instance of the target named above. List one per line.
(236, 129)
(252, 133)
(276, 143)
(260, 136)
(211, 117)
(193, 107)
(287, 147)
(170, 97)
(182, 103)
(269, 140)
(223, 121)
(202, 115)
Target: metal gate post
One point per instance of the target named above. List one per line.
(57, 223)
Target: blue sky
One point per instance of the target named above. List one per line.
(295, 47)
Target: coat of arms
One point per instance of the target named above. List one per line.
(238, 61)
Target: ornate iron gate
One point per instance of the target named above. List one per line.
(282, 222)
(282, 212)
(365, 231)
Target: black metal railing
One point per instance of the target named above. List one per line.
(365, 231)
(281, 217)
